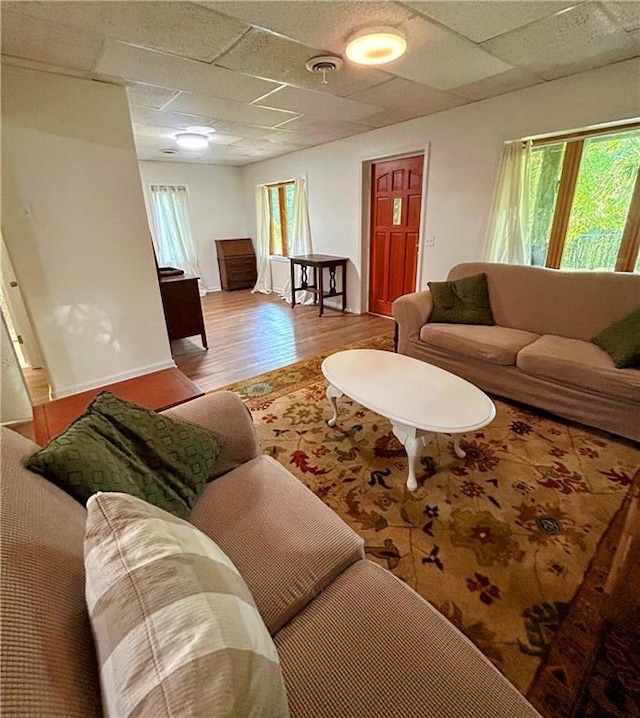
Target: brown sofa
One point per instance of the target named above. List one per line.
(353, 640)
(539, 352)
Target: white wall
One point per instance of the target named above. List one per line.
(464, 147)
(218, 210)
(14, 400)
(75, 226)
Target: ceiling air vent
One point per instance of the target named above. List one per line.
(324, 65)
(168, 152)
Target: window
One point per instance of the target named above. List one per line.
(173, 239)
(584, 202)
(281, 217)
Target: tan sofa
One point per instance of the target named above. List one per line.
(539, 352)
(353, 640)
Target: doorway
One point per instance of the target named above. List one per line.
(23, 339)
(396, 209)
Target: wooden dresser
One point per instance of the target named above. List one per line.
(237, 262)
(182, 307)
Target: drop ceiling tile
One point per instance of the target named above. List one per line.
(48, 42)
(481, 20)
(441, 59)
(158, 68)
(157, 145)
(306, 102)
(215, 156)
(410, 97)
(193, 104)
(276, 58)
(579, 39)
(181, 28)
(391, 117)
(509, 81)
(626, 13)
(320, 24)
(168, 134)
(285, 137)
(237, 128)
(164, 118)
(149, 95)
(320, 130)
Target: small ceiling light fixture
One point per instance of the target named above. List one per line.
(192, 141)
(376, 46)
(201, 129)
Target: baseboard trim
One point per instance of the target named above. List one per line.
(103, 381)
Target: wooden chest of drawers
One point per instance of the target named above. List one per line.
(237, 262)
(182, 308)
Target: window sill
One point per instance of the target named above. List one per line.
(278, 258)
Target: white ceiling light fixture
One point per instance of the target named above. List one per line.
(376, 46)
(201, 129)
(192, 141)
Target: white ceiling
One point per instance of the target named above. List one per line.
(240, 66)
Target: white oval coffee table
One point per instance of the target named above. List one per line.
(419, 399)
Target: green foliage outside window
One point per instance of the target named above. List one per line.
(603, 193)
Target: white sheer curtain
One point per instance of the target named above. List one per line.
(508, 237)
(299, 237)
(263, 222)
(172, 235)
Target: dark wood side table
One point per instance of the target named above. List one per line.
(158, 390)
(318, 262)
(182, 307)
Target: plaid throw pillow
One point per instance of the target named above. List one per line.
(177, 632)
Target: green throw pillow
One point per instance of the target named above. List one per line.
(621, 340)
(119, 446)
(463, 301)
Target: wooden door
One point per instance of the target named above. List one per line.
(396, 203)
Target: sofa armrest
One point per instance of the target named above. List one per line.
(411, 312)
(224, 414)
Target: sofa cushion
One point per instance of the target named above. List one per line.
(285, 542)
(496, 344)
(177, 631)
(621, 340)
(574, 304)
(47, 662)
(463, 301)
(579, 363)
(119, 446)
(370, 646)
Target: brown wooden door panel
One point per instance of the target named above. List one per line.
(383, 211)
(398, 180)
(379, 266)
(397, 261)
(414, 206)
(394, 247)
(382, 182)
(415, 179)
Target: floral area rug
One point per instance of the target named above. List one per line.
(498, 541)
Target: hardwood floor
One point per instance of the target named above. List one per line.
(252, 333)
(249, 334)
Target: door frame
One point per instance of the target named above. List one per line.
(18, 311)
(366, 164)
